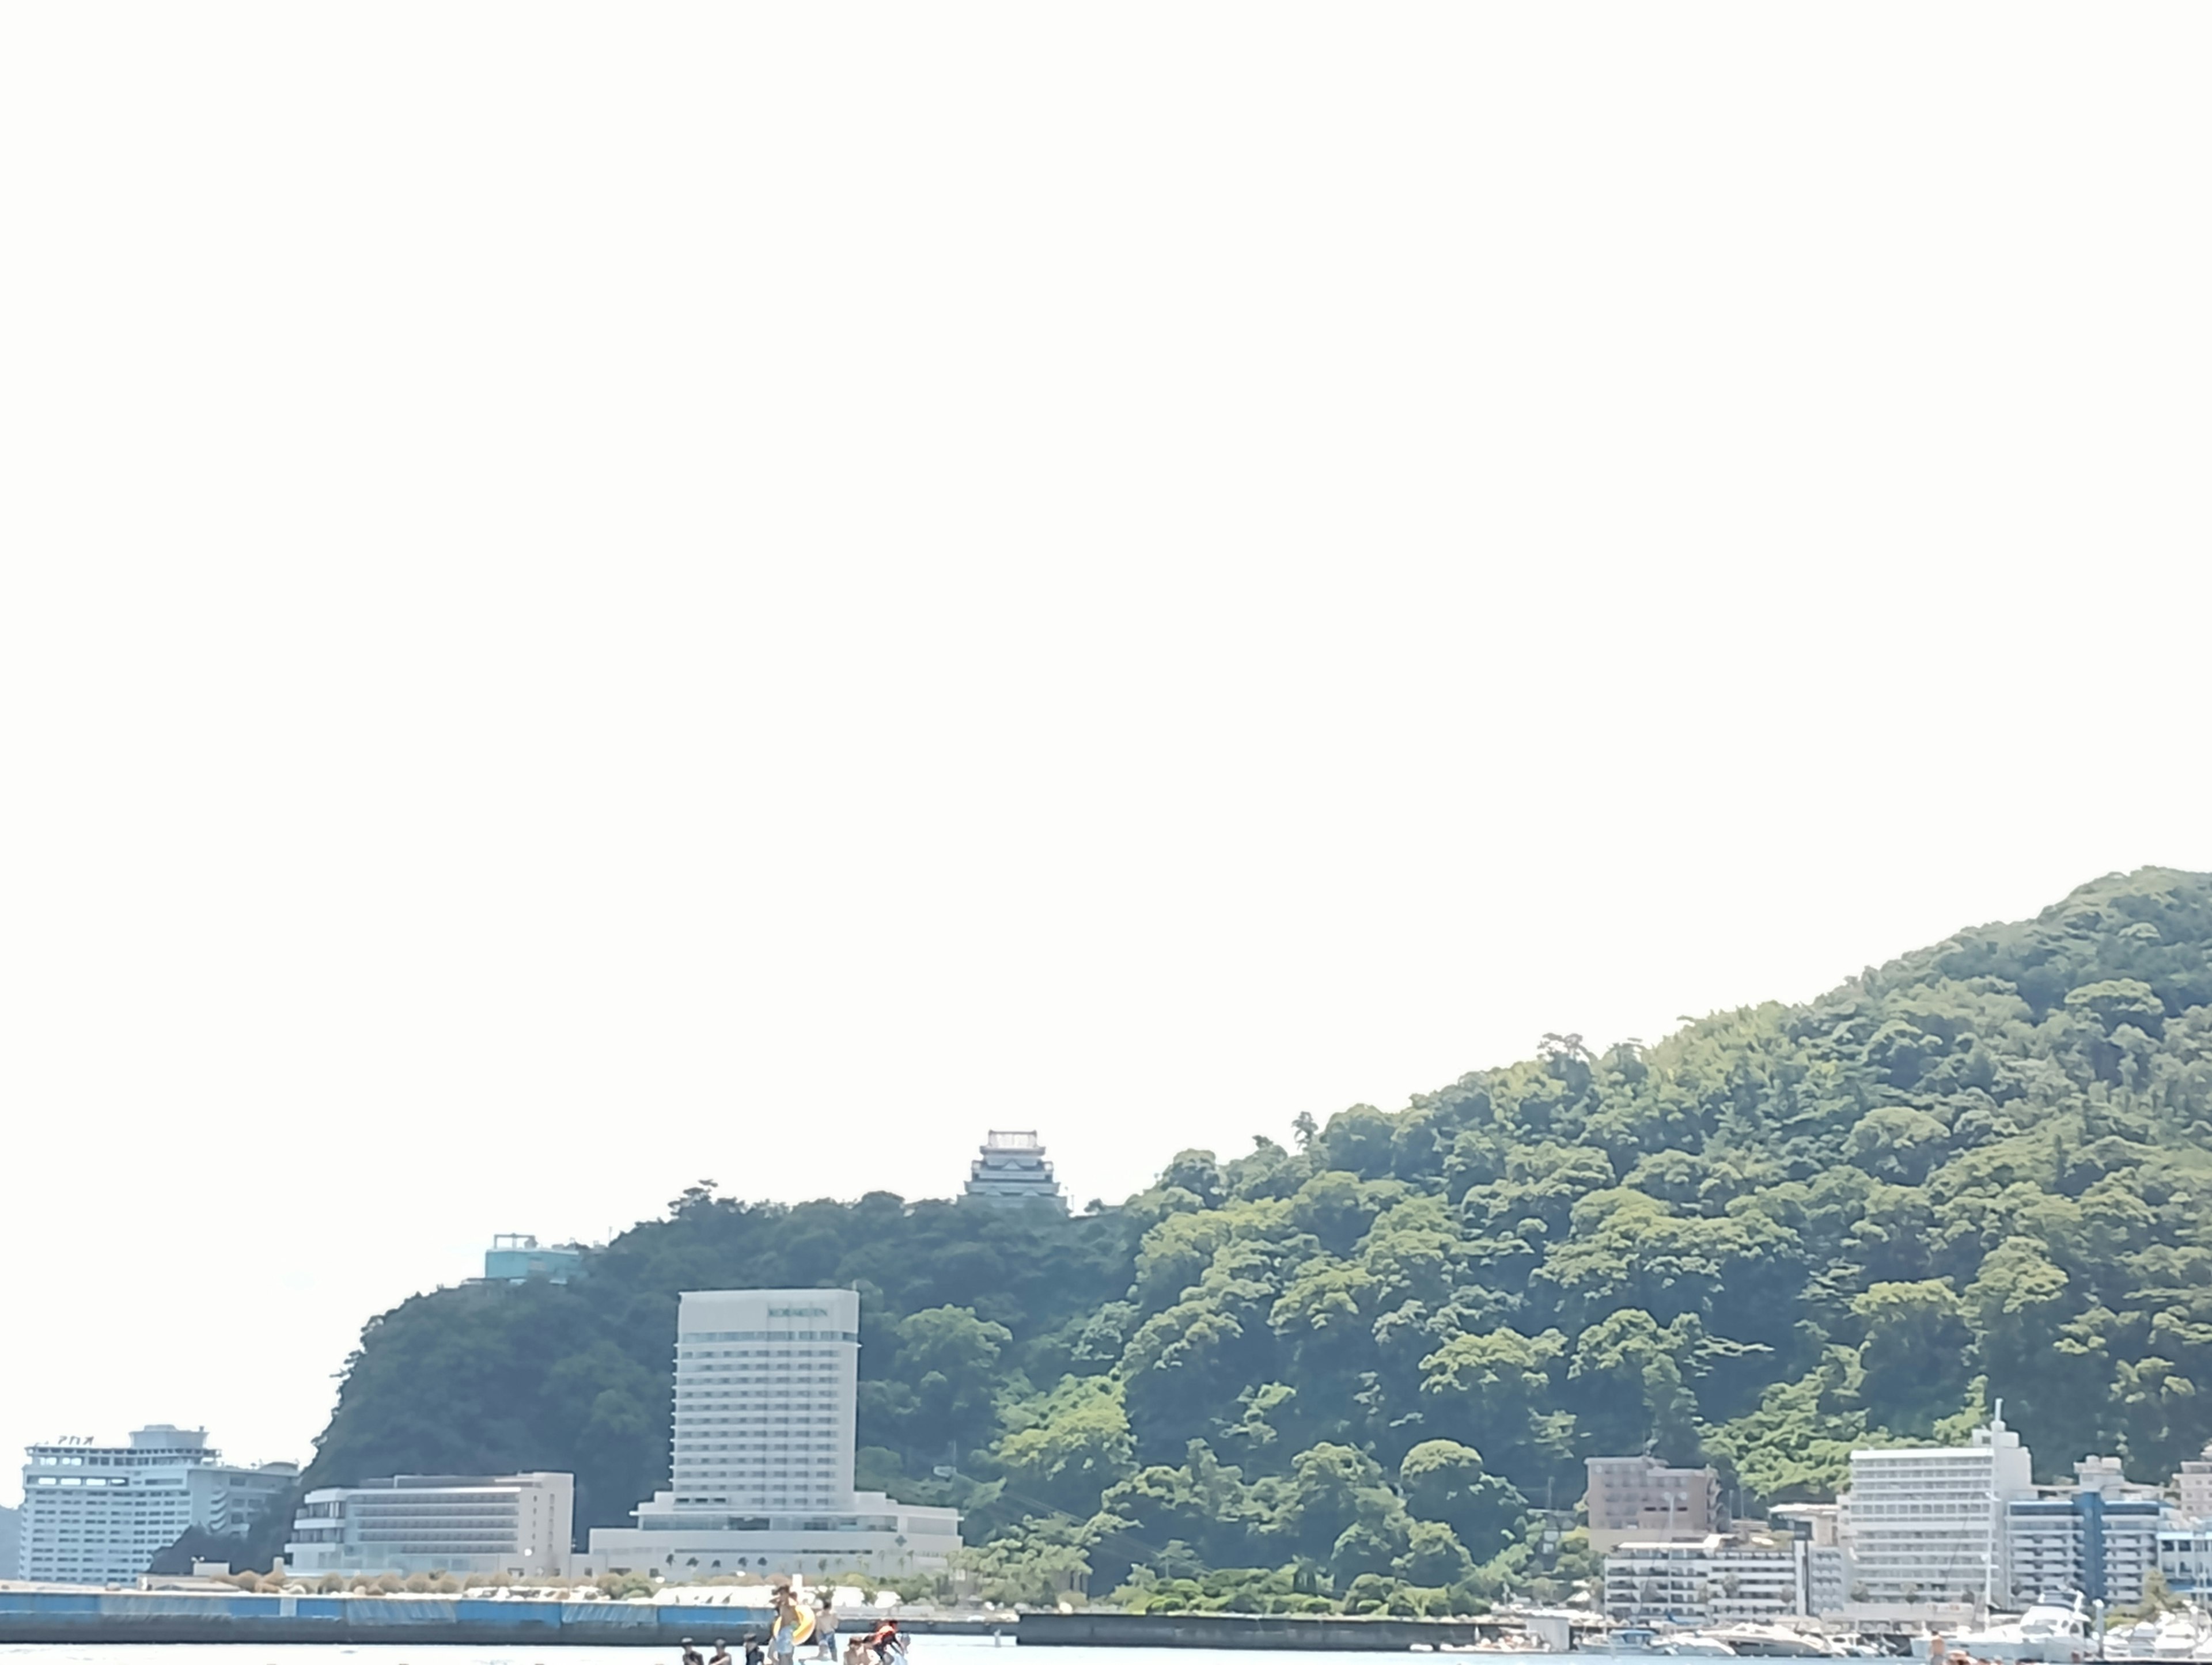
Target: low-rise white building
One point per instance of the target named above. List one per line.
(519, 1524)
(97, 1514)
(1716, 1580)
(2185, 1559)
(889, 1541)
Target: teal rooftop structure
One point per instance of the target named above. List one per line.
(515, 1258)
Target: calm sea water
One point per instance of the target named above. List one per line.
(928, 1650)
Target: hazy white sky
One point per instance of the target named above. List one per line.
(599, 595)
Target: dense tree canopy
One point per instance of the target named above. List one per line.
(1979, 1170)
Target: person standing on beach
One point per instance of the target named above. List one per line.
(783, 1628)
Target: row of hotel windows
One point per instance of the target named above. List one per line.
(116, 1459)
(753, 1429)
(691, 1373)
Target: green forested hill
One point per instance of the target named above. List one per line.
(1979, 1170)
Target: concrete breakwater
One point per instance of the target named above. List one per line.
(1314, 1633)
(179, 1616)
(171, 1616)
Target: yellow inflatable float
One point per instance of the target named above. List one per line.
(799, 1620)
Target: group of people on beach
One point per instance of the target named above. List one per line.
(792, 1624)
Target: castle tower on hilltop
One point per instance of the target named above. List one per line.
(1011, 1169)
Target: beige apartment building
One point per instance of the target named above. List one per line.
(1643, 1498)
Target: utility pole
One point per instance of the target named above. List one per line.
(1996, 1518)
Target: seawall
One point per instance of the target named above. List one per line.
(176, 1616)
(1314, 1632)
(196, 1616)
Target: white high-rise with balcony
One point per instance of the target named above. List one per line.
(1925, 1524)
(767, 1398)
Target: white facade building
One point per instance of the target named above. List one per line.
(1011, 1168)
(2193, 1487)
(99, 1513)
(522, 1524)
(1824, 1567)
(1715, 1580)
(11, 1540)
(1925, 1524)
(2185, 1559)
(767, 1392)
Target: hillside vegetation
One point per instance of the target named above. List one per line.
(1359, 1364)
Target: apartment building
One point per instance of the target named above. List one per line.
(1816, 1532)
(2192, 1488)
(1926, 1524)
(2185, 1559)
(2099, 1539)
(1642, 1497)
(1715, 1580)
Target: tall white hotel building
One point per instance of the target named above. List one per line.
(767, 1388)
